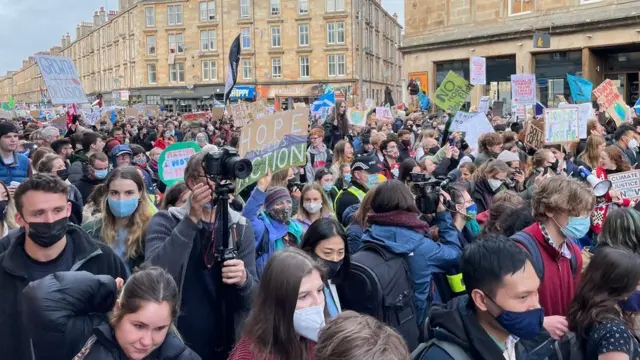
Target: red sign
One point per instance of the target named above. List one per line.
(195, 116)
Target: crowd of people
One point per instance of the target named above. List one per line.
(395, 241)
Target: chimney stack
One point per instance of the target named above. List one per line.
(111, 15)
(68, 38)
(395, 16)
(64, 41)
(96, 18)
(78, 36)
(102, 16)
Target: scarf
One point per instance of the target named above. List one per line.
(399, 218)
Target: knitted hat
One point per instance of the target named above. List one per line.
(7, 127)
(508, 156)
(275, 195)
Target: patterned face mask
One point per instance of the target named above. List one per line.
(282, 214)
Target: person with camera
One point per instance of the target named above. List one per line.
(364, 176)
(181, 240)
(394, 225)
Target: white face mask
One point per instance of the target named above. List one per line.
(312, 207)
(633, 144)
(494, 183)
(308, 322)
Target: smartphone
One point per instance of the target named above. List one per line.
(452, 141)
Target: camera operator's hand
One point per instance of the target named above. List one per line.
(295, 193)
(265, 181)
(444, 198)
(233, 272)
(199, 198)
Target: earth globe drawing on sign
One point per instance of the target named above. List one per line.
(620, 110)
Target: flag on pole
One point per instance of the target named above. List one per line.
(326, 100)
(234, 60)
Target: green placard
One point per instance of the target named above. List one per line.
(173, 160)
(453, 92)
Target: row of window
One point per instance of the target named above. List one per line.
(517, 7)
(175, 14)
(336, 67)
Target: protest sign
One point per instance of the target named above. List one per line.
(151, 110)
(383, 113)
(478, 69)
(173, 160)
(560, 125)
(356, 117)
(34, 114)
(274, 142)
(49, 114)
(483, 106)
(239, 114)
(610, 100)
(523, 89)
(421, 78)
(60, 123)
(93, 117)
(195, 116)
(534, 134)
(626, 184)
(580, 89)
(131, 112)
(217, 113)
(585, 113)
(7, 115)
(453, 92)
(473, 125)
(368, 104)
(61, 78)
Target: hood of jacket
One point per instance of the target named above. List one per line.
(396, 239)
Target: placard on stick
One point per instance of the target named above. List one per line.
(534, 134)
(453, 92)
(173, 161)
(610, 100)
(626, 184)
(561, 125)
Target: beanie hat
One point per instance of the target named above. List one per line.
(508, 156)
(275, 195)
(7, 127)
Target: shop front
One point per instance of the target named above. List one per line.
(622, 66)
(243, 92)
(551, 71)
(181, 99)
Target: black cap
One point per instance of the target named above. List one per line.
(368, 162)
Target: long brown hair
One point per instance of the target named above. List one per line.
(611, 276)
(590, 154)
(615, 155)
(342, 121)
(138, 221)
(270, 325)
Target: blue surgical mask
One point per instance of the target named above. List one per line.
(101, 174)
(372, 181)
(577, 227)
(123, 208)
(327, 187)
(525, 325)
(347, 178)
(632, 303)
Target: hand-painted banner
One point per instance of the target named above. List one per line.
(453, 92)
(478, 67)
(534, 135)
(627, 184)
(580, 89)
(585, 113)
(610, 100)
(523, 89)
(560, 125)
(62, 80)
(173, 161)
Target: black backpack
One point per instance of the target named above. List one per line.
(529, 243)
(379, 284)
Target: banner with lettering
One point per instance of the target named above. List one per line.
(626, 184)
(472, 124)
(62, 80)
(453, 92)
(523, 89)
(534, 134)
(560, 125)
(478, 69)
(173, 161)
(610, 100)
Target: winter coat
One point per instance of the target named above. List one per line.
(321, 160)
(67, 311)
(18, 171)
(88, 255)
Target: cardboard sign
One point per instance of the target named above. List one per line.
(173, 160)
(523, 89)
(93, 117)
(560, 125)
(453, 92)
(478, 67)
(585, 113)
(49, 114)
(473, 125)
(217, 114)
(356, 117)
(610, 100)
(299, 105)
(483, 106)
(274, 142)
(7, 115)
(60, 123)
(131, 112)
(195, 116)
(62, 80)
(239, 114)
(151, 110)
(34, 114)
(627, 184)
(534, 135)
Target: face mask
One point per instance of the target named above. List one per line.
(577, 227)
(632, 144)
(3, 209)
(347, 178)
(63, 174)
(441, 127)
(332, 266)
(372, 181)
(494, 184)
(632, 303)
(525, 325)
(48, 234)
(140, 160)
(308, 322)
(473, 227)
(119, 138)
(472, 211)
(282, 214)
(406, 143)
(101, 174)
(312, 207)
(327, 187)
(434, 150)
(123, 208)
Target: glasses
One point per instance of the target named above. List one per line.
(312, 138)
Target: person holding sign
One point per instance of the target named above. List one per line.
(611, 162)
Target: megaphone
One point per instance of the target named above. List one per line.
(600, 187)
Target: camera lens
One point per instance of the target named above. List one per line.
(240, 167)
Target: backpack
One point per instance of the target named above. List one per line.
(529, 243)
(451, 349)
(571, 348)
(379, 284)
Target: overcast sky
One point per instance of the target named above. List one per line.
(29, 26)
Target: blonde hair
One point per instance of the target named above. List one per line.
(326, 203)
(590, 154)
(138, 221)
(562, 194)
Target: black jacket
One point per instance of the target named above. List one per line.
(456, 323)
(483, 195)
(65, 309)
(86, 186)
(346, 199)
(89, 255)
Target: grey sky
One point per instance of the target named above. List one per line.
(29, 26)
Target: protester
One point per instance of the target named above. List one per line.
(489, 147)
(342, 154)
(274, 228)
(466, 171)
(97, 171)
(54, 165)
(91, 142)
(464, 215)
(407, 167)
(175, 196)
(121, 155)
(364, 176)
(7, 212)
(390, 164)
(14, 167)
(49, 135)
(288, 311)
(625, 141)
(180, 240)
(63, 148)
(326, 242)
(324, 178)
(46, 243)
(489, 180)
(336, 126)
(355, 336)
(73, 316)
(315, 205)
(603, 308)
(590, 157)
(318, 155)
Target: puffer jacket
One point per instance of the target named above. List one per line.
(68, 314)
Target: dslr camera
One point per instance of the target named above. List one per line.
(226, 164)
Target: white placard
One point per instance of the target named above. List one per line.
(523, 89)
(478, 69)
(62, 80)
(473, 125)
(585, 113)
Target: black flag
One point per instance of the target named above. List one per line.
(234, 60)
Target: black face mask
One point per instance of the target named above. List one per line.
(434, 150)
(3, 209)
(48, 234)
(332, 266)
(63, 174)
(406, 143)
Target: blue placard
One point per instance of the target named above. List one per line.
(243, 92)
